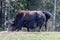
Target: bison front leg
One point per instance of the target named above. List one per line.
(30, 25)
(19, 29)
(28, 29)
(39, 29)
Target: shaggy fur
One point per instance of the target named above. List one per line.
(25, 18)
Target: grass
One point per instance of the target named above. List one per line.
(29, 35)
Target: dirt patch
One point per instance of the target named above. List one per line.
(25, 34)
(15, 34)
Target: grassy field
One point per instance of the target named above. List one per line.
(29, 35)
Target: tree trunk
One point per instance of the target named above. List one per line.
(54, 16)
(9, 16)
(4, 10)
(1, 14)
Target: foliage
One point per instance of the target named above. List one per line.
(15, 5)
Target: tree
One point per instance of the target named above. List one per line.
(54, 24)
(0, 14)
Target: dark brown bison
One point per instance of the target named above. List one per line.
(28, 19)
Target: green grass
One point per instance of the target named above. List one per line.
(30, 36)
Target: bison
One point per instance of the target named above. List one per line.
(28, 19)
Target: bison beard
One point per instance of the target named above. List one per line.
(38, 18)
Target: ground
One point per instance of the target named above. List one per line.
(29, 35)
